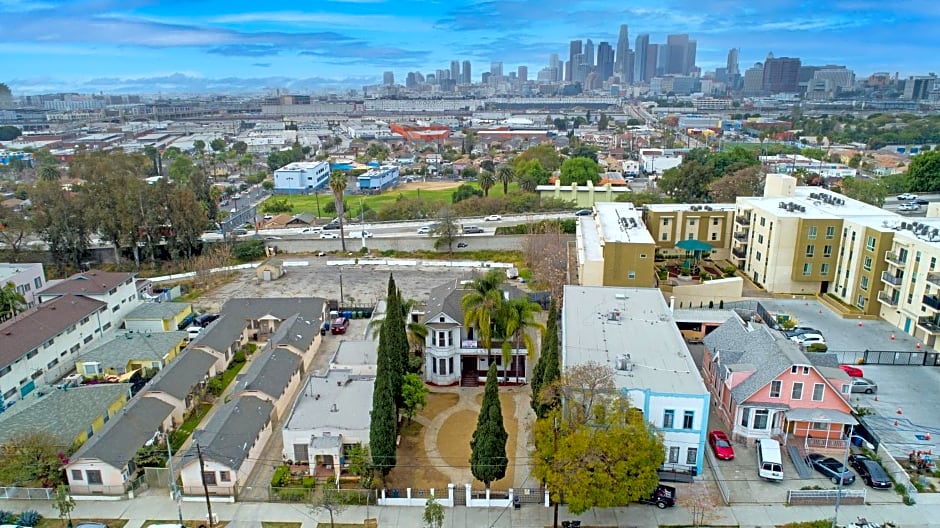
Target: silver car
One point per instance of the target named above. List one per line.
(864, 385)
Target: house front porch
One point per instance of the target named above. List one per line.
(819, 429)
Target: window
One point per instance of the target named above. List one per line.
(32, 353)
(864, 283)
(824, 269)
(797, 392)
(688, 417)
(116, 308)
(827, 250)
(821, 426)
(642, 255)
(760, 239)
(443, 367)
(867, 264)
(5, 370)
(631, 275)
(757, 255)
(434, 367)
(716, 221)
(810, 250)
(77, 474)
(745, 413)
(38, 282)
(760, 418)
(94, 476)
(870, 243)
(691, 221)
(451, 362)
(763, 221)
(812, 232)
(808, 268)
(665, 236)
(830, 232)
(668, 417)
(673, 455)
(208, 477)
(225, 476)
(818, 391)
(775, 387)
(714, 236)
(52, 363)
(860, 302)
(106, 326)
(845, 388)
(794, 369)
(665, 221)
(933, 263)
(9, 394)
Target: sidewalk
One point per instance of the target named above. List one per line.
(248, 515)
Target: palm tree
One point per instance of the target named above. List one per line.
(49, 173)
(11, 301)
(520, 317)
(417, 331)
(481, 304)
(486, 180)
(338, 185)
(506, 175)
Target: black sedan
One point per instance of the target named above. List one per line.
(800, 330)
(870, 471)
(831, 468)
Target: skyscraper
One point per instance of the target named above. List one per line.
(589, 54)
(496, 69)
(677, 55)
(781, 75)
(733, 62)
(388, 78)
(466, 77)
(557, 66)
(455, 70)
(574, 49)
(640, 59)
(605, 61)
(623, 48)
(522, 73)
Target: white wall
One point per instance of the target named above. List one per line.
(112, 479)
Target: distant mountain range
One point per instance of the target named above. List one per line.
(186, 84)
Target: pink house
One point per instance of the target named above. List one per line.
(764, 386)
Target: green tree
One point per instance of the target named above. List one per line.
(923, 172)
(338, 186)
(360, 465)
(469, 173)
(580, 171)
(248, 250)
(546, 370)
(446, 230)
(240, 147)
(12, 302)
(9, 133)
(433, 514)
(481, 306)
(14, 228)
(748, 181)
(505, 175)
(217, 145)
(603, 122)
(64, 503)
(49, 173)
(393, 350)
(596, 451)
(488, 446)
(465, 191)
(872, 192)
(487, 180)
(519, 319)
(181, 170)
(382, 430)
(583, 151)
(531, 174)
(546, 155)
(59, 218)
(330, 500)
(414, 395)
(33, 459)
(199, 146)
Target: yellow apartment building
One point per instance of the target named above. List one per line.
(614, 247)
(709, 223)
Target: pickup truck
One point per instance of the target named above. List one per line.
(663, 497)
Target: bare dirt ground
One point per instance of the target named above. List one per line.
(429, 186)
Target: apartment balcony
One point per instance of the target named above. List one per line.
(739, 253)
(932, 302)
(743, 220)
(740, 238)
(929, 324)
(891, 299)
(891, 279)
(895, 259)
(934, 278)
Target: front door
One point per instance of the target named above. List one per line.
(907, 325)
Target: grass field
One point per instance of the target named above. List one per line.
(375, 202)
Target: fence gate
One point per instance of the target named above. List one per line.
(460, 496)
(895, 357)
(530, 495)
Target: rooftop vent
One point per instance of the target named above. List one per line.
(624, 362)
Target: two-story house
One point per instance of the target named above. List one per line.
(764, 386)
(117, 290)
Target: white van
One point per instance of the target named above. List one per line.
(769, 463)
(193, 332)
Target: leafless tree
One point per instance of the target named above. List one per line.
(545, 251)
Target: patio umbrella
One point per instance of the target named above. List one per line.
(695, 247)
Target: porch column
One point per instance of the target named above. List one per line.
(336, 468)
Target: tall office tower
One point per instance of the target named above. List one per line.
(677, 55)
(485, 77)
(388, 78)
(732, 66)
(466, 79)
(455, 70)
(522, 73)
(579, 68)
(690, 67)
(640, 59)
(496, 69)
(753, 80)
(411, 81)
(605, 61)
(662, 60)
(589, 54)
(620, 58)
(555, 64)
(781, 75)
(574, 49)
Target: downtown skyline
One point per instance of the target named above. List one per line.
(110, 46)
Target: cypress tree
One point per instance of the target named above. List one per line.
(393, 342)
(488, 447)
(549, 342)
(382, 427)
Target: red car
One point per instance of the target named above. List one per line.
(721, 445)
(339, 325)
(853, 372)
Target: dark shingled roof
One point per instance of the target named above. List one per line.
(92, 282)
(118, 441)
(34, 327)
(183, 373)
(232, 430)
(447, 297)
(270, 372)
(221, 334)
(65, 414)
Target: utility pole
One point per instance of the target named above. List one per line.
(173, 488)
(205, 487)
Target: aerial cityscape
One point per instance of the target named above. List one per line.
(494, 264)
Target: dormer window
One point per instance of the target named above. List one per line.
(442, 319)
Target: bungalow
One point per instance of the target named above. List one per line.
(764, 386)
(160, 317)
(131, 351)
(358, 357)
(230, 444)
(104, 464)
(183, 382)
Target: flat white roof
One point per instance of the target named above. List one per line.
(621, 222)
(668, 208)
(338, 401)
(818, 203)
(302, 165)
(634, 325)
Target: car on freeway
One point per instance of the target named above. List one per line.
(800, 330)
(426, 230)
(268, 216)
(870, 471)
(493, 218)
(663, 497)
(312, 229)
(239, 231)
(331, 226)
(831, 468)
(852, 371)
(922, 201)
(328, 235)
(721, 445)
(583, 212)
(360, 234)
(272, 237)
(864, 385)
(461, 244)
(908, 207)
(907, 196)
(470, 229)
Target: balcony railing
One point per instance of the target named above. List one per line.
(742, 220)
(895, 259)
(932, 302)
(933, 278)
(739, 253)
(741, 238)
(929, 324)
(888, 298)
(891, 279)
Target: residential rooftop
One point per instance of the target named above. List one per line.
(91, 282)
(668, 208)
(157, 310)
(185, 372)
(446, 298)
(632, 331)
(232, 430)
(9, 270)
(360, 357)
(621, 222)
(270, 372)
(34, 327)
(816, 202)
(119, 350)
(590, 241)
(236, 313)
(118, 441)
(338, 400)
(63, 413)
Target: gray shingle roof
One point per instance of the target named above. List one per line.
(447, 298)
(91, 282)
(270, 372)
(226, 330)
(744, 348)
(118, 441)
(62, 413)
(157, 310)
(183, 373)
(34, 327)
(117, 352)
(232, 430)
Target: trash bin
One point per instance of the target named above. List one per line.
(517, 502)
(857, 441)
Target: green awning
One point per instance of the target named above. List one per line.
(693, 245)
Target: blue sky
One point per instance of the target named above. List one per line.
(176, 45)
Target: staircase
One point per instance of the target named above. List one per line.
(469, 379)
(799, 461)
